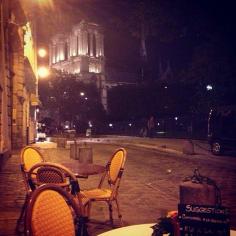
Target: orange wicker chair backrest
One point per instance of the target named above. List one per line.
(51, 211)
(115, 168)
(48, 172)
(116, 165)
(29, 157)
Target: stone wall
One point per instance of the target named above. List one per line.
(16, 85)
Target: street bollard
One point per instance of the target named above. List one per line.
(82, 153)
(73, 150)
(61, 142)
(85, 154)
(188, 147)
(199, 190)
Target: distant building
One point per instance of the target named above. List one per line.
(81, 52)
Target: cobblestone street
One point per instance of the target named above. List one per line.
(149, 187)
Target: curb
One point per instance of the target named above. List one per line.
(126, 142)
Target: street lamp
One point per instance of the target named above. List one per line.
(43, 72)
(209, 87)
(90, 124)
(42, 52)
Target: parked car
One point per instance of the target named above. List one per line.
(222, 129)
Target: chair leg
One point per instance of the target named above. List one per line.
(89, 205)
(110, 212)
(118, 210)
(82, 226)
(21, 219)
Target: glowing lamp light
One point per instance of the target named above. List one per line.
(82, 94)
(130, 124)
(176, 118)
(42, 52)
(110, 125)
(43, 72)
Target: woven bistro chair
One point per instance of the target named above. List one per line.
(53, 211)
(113, 174)
(48, 172)
(29, 156)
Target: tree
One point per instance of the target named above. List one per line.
(65, 98)
(211, 64)
(145, 20)
(140, 101)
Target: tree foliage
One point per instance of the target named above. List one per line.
(62, 100)
(159, 99)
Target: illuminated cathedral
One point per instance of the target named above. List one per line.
(81, 52)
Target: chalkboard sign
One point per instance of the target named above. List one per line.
(202, 220)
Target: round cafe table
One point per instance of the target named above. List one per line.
(84, 169)
(136, 230)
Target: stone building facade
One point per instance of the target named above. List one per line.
(18, 84)
(81, 52)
